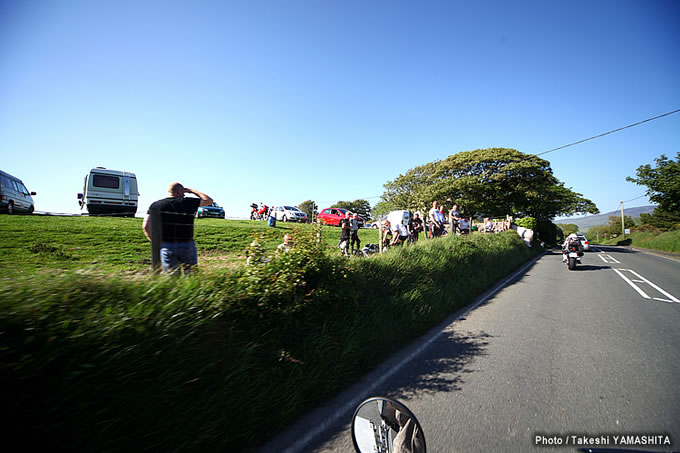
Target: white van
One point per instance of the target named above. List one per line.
(109, 192)
(400, 216)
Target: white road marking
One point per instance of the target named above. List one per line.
(656, 287)
(642, 293)
(663, 300)
(640, 279)
(608, 258)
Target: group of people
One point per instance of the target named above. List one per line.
(435, 225)
(177, 228)
(349, 234)
(438, 220)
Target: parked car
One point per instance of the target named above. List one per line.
(289, 214)
(212, 210)
(332, 216)
(14, 197)
(110, 192)
(584, 242)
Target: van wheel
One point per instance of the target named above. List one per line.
(31, 209)
(10, 208)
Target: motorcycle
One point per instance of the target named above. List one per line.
(384, 425)
(258, 213)
(573, 253)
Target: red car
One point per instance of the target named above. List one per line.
(332, 216)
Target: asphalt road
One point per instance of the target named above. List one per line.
(593, 352)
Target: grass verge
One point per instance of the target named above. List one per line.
(666, 242)
(219, 361)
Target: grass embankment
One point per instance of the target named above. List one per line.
(219, 361)
(667, 242)
(49, 244)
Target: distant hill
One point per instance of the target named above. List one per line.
(602, 219)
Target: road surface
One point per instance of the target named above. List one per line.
(591, 353)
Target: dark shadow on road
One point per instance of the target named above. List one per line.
(441, 368)
(588, 267)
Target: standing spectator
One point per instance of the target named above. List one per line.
(345, 232)
(177, 226)
(415, 226)
(435, 220)
(454, 218)
(354, 238)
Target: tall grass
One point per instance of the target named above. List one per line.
(220, 361)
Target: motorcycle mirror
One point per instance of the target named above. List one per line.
(384, 425)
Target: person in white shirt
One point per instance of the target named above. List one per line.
(400, 234)
(436, 223)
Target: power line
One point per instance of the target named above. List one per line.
(607, 133)
(641, 196)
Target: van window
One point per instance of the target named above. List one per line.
(7, 183)
(107, 182)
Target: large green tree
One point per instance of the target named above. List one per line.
(361, 207)
(662, 181)
(310, 208)
(488, 182)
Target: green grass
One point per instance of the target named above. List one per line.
(49, 244)
(222, 359)
(667, 242)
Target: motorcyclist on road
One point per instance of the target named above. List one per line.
(565, 246)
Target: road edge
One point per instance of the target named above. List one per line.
(300, 434)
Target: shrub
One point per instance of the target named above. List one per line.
(219, 361)
(527, 222)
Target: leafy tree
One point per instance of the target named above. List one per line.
(361, 207)
(663, 182)
(567, 228)
(661, 219)
(614, 226)
(489, 183)
(309, 207)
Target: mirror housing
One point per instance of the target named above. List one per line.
(80, 196)
(384, 425)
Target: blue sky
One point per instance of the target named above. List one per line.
(284, 101)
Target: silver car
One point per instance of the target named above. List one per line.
(14, 197)
(289, 214)
(584, 242)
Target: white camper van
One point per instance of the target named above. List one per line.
(109, 192)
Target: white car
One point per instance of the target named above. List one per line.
(289, 214)
(584, 242)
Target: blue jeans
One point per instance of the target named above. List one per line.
(174, 253)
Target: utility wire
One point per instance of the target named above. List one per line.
(607, 133)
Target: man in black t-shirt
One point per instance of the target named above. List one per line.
(345, 232)
(177, 226)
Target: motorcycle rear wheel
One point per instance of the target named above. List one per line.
(572, 263)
